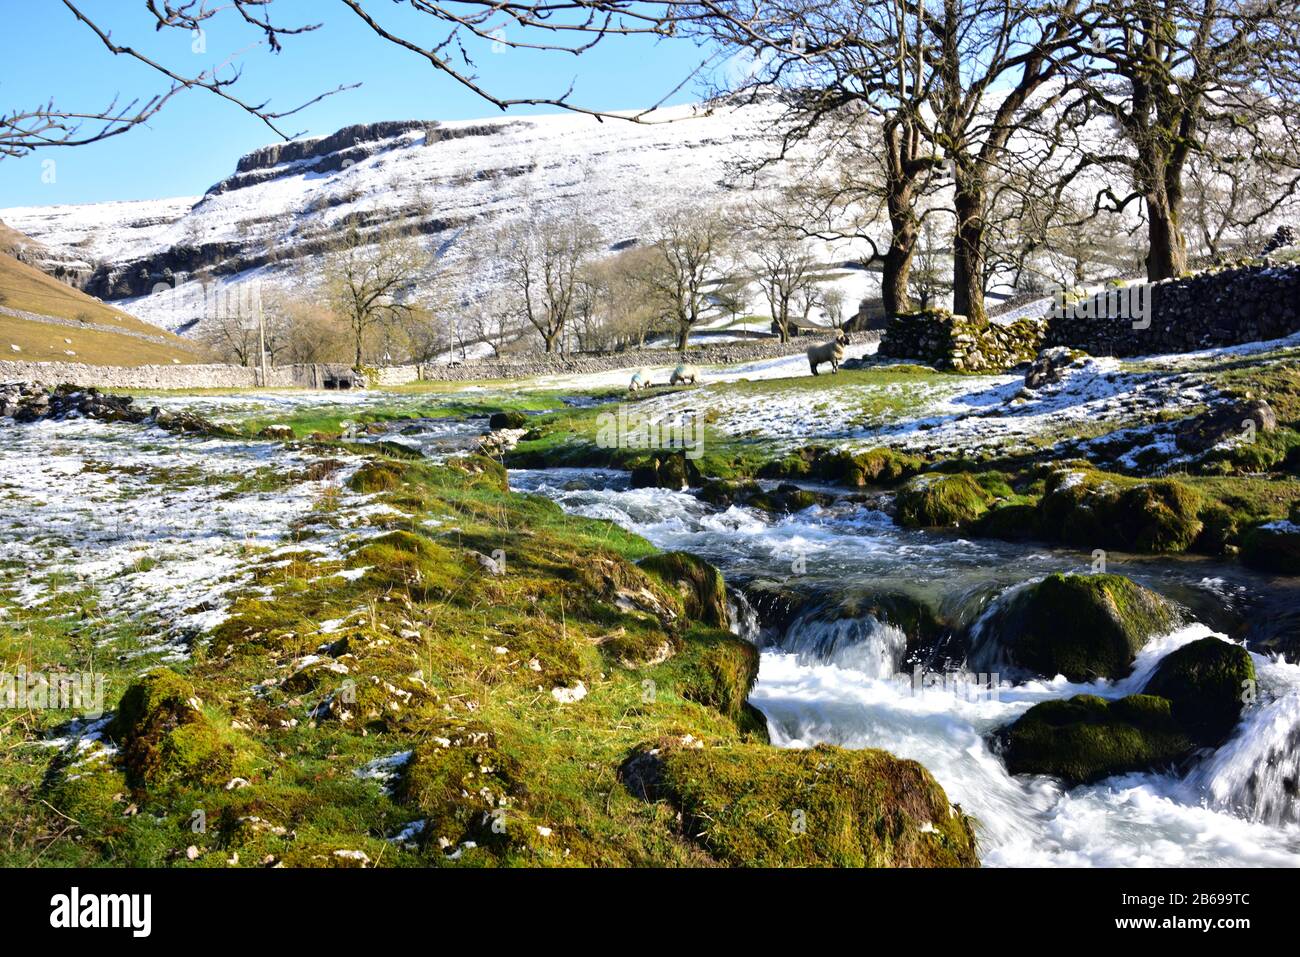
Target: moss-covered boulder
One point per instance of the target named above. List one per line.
(1013, 523)
(1082, 626)
(723, 493)
(481, 472)
(167, 739)
(940, 501)
(507, 420)
(1089, 510)
(1273, 547)
(700, 585)
(882, 466)
(718, 670)
(757, 806)
(1087, 738)
(376, 476)
(1206, 682)
(799, 464)
(671, 470)
(787, 499)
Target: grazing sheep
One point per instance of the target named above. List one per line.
(684, 375)
(640, 380)
(831, 352)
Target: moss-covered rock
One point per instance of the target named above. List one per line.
(507, 420)
(1087, 738)
(1082, 626)
(671, 470)
(937, 501)
(718, 670)
(167, 739)
(756, 806)
(1205, 682)
(481, 472)
(376, 476)
(1088, 510)
(700, 585)
(800, 464)
(723, 493)
(883, 466)
(1273, 547)
(787, 499)
(1013, 523)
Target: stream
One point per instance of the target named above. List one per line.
(845, 679)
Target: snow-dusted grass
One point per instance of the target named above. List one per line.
(159, 528)
(917, 409)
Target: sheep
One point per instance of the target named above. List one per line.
(684, 375)
(831, 352)
(640, 380)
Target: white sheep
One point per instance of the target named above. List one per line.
(684, 375)
(832, 352)
(640, 380)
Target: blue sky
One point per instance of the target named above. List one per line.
(195, 141)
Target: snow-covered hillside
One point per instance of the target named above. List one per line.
(275, 219)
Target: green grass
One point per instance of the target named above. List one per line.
(445, 660)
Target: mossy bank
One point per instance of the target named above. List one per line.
(466, 687)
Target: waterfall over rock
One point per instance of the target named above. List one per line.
(864, 644)
(1256, 775)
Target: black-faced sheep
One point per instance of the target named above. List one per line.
(832, 352)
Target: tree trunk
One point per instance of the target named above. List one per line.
(894, 276)
(683, 334)
(968, 253)
(1167, 253)
(897, 265)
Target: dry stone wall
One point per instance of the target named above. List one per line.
(1246, 303)
(323, 376)
(956, 343)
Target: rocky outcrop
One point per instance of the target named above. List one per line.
(1225, 422)
(957, 343)
(1046, 369)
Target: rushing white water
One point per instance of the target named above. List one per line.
(834, 681)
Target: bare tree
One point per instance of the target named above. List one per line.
(493, 321)
(687, 258)
(371, 282)
(1231, 191)
(625, 309)
(233, 338)
(1168, 73)
(543, 257)
(783, 269)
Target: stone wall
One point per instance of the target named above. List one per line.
(954, 342)
(540, 363)
(180, 376)
(1234, 305)
(196, 376)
